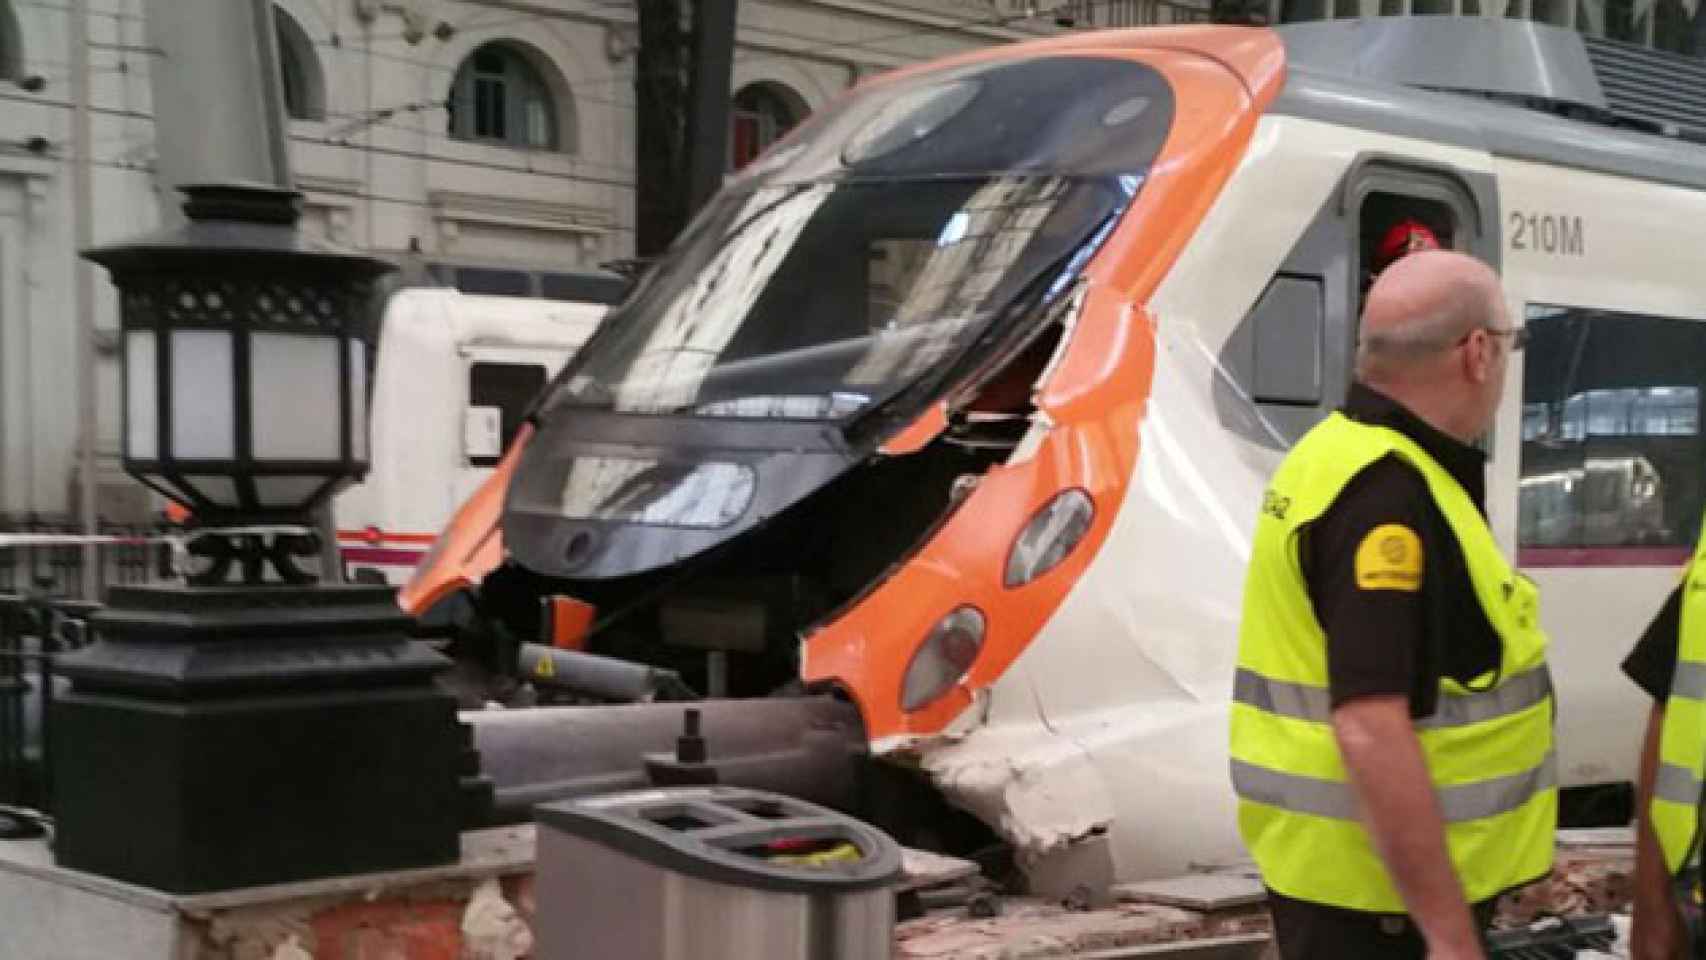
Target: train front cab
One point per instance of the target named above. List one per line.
(1047, 622)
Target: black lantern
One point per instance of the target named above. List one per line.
(216, 735)
(245, 357)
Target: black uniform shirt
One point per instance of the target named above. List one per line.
(1652, 664)
(1387, 635)
(1395, 624)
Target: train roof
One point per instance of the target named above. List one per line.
(1515, 89)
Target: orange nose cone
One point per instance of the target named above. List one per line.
(471, 546)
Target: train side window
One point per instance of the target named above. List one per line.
(1276, 360)
(1393, 224)
(1613, 461)
(501, 391)
(1287, 326)
(1289, 362)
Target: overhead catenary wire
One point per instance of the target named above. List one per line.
(577, 88)
(347, 125)
(814, 46)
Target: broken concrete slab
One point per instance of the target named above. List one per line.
(921, 868)
(1596, 837)
(1080, 873)
(1203, 892)
(1032, 929)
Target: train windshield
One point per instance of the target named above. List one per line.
(879, 243)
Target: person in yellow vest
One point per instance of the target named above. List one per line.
(1669, 663)
(1391, 732)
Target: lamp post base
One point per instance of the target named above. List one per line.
(242, 736)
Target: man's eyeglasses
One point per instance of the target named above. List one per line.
(1518, 335)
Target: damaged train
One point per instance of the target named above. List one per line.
(960, 402)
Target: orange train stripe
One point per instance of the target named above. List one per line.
(472, 542)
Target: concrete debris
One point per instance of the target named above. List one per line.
(1593, 881)
(491, 927)
(267, 932)
(1079, 874)
(1032, 929)
(291, 949)
(1039, 796)
(1195, 892)
(920, 868)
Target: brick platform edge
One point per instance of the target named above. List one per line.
(480, 908)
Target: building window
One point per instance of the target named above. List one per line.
(1613, 460)
(510, 389)
(762, 114)
(498, 96)
(299, 67)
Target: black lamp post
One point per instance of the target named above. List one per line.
(229, 734)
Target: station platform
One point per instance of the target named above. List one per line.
(482, 908)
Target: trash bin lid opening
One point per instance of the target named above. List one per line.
(806, 852)
(686, 817)
(728, 835)
(764, 808)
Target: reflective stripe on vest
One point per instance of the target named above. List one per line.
(1682, 741)
(1676, 784)
(1488, 748)
(1303, 702)
(1462, 803)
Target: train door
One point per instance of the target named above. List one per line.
(501, 382)
(1292, 358)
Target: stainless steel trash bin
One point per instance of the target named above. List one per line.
(711, 873)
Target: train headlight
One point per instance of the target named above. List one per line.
(1049, 537)
(943, 658)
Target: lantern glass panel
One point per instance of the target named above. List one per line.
(358, 399)
(286, 492)
(141, 403)
(221, 490)
(294, 395)
(203, 397)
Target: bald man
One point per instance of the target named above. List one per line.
(1391, 730)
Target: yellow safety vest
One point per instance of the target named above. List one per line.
(1488, 746)
(1682, 744)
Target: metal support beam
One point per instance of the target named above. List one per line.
(808, 747)
(83, 291)
(660, 157)
(708, 116)
(218, 95)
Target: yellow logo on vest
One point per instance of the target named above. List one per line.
(1390, 558)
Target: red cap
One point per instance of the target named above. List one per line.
(1407, 236)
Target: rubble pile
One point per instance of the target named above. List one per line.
(1215, 906)
(1221, 908)
(1594, 874)
(1028, 928)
